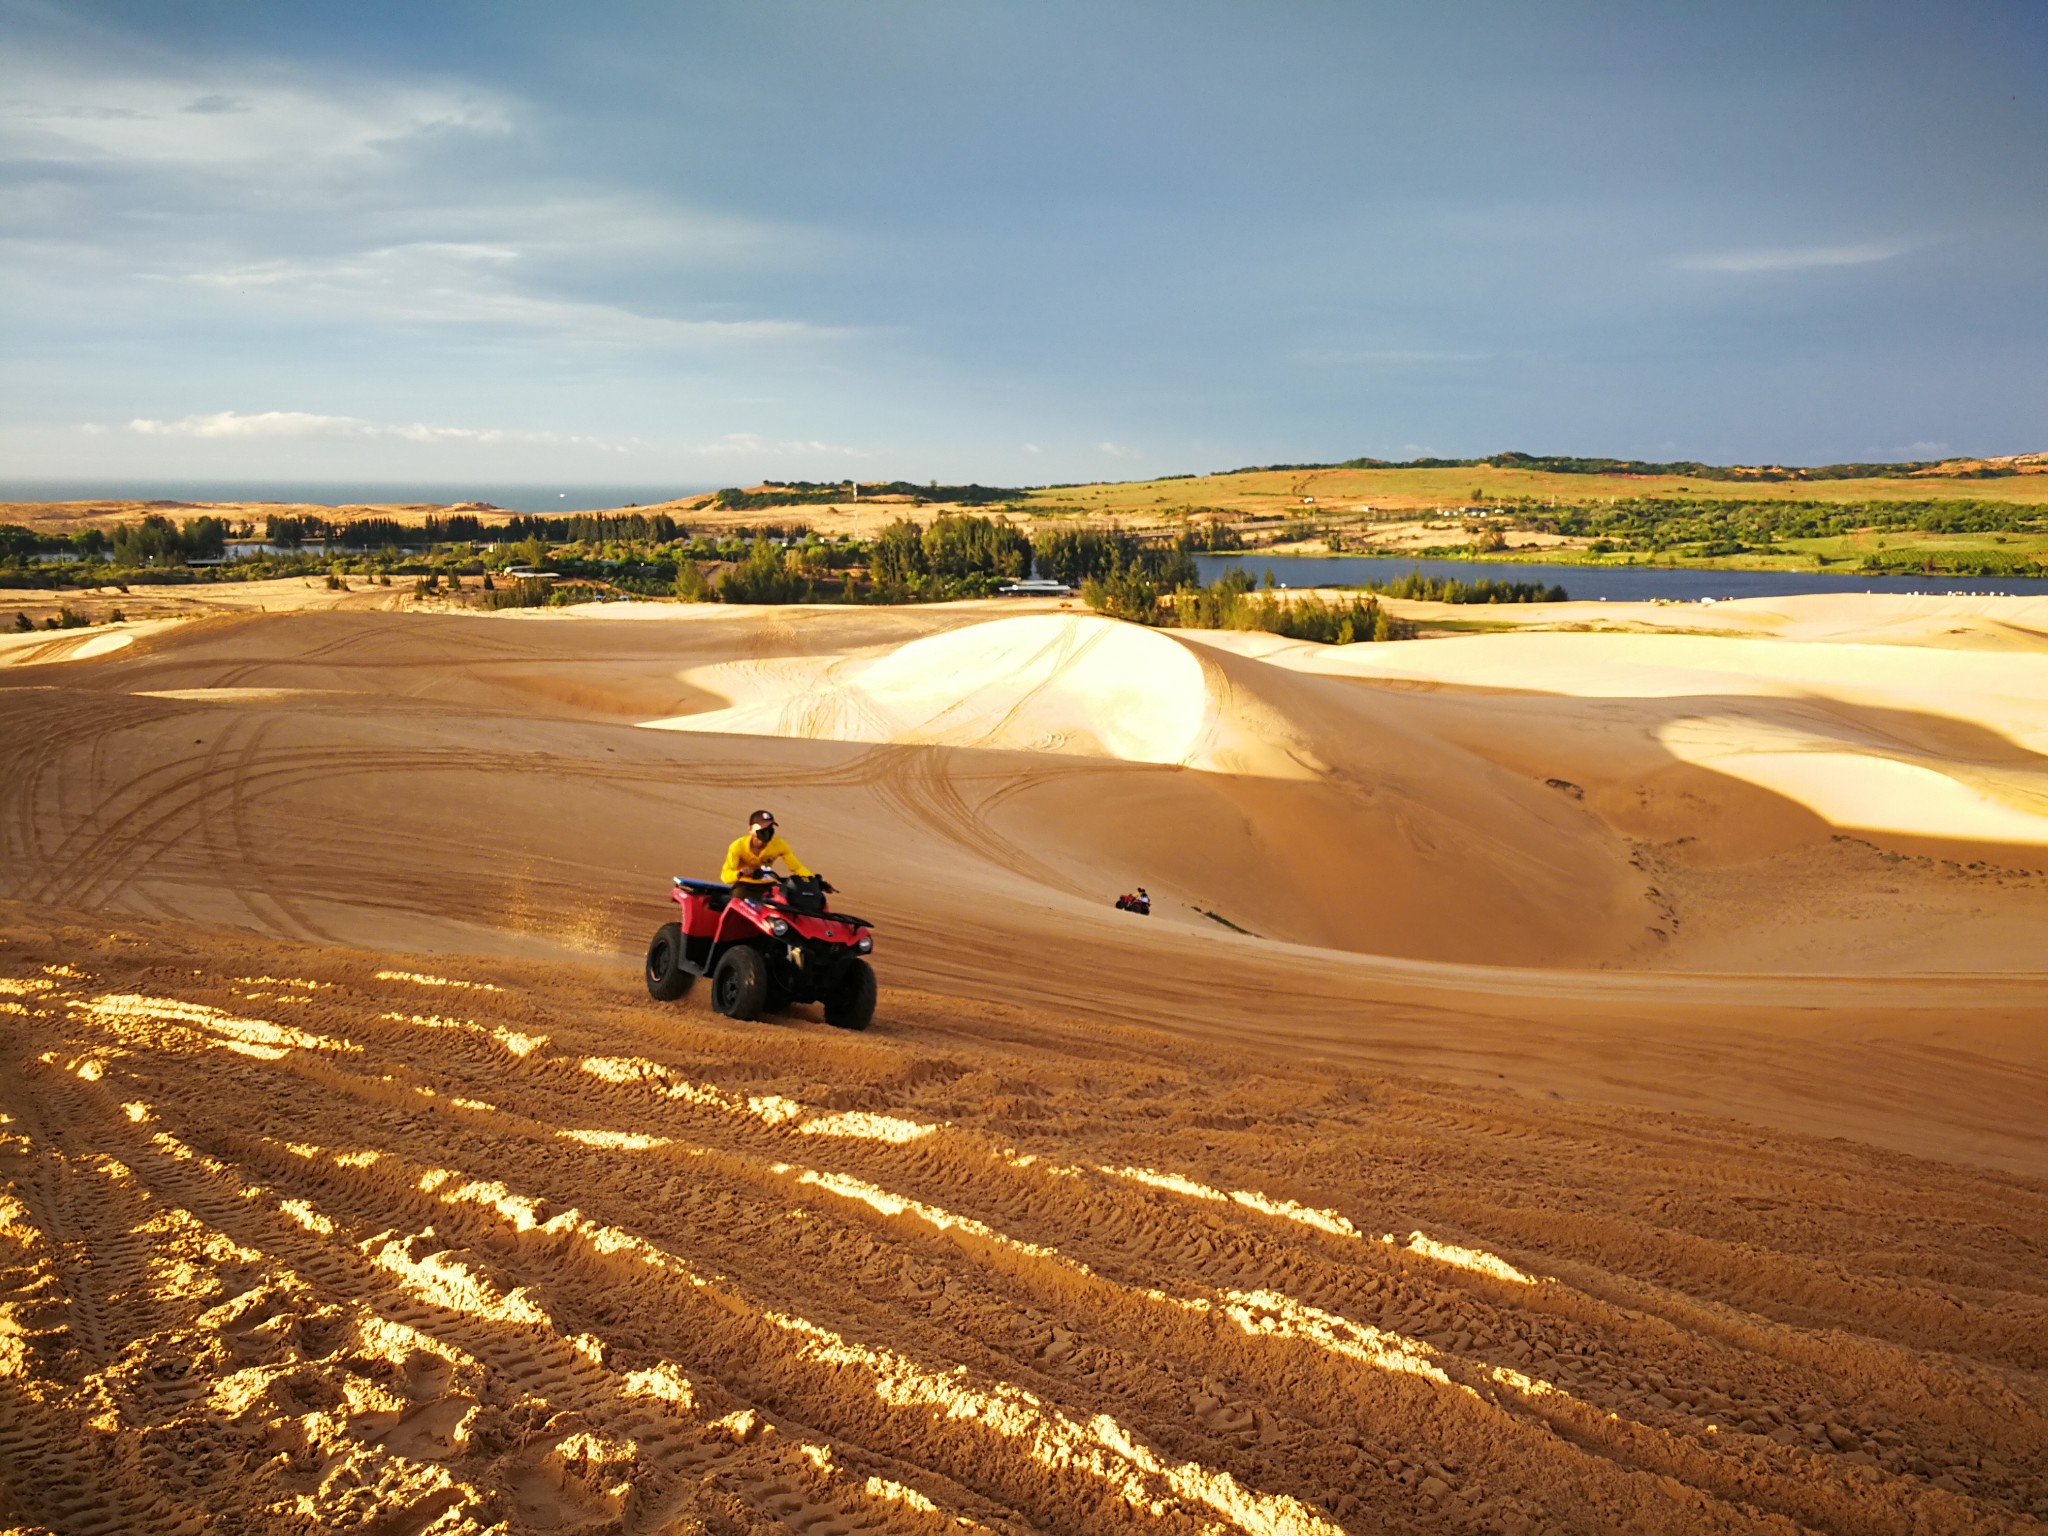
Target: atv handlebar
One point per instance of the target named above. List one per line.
(823, 884)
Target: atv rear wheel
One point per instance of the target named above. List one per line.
(740, 984)
(852, 1004)
(666, 978)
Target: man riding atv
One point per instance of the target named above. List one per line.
(757, 851)
(765, 942)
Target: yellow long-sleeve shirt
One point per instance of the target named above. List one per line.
(743, 863)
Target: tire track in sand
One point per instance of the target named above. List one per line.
(922, 1239)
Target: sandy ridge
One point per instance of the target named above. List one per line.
(1120, 1307)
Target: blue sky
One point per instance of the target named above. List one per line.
(1019, 242)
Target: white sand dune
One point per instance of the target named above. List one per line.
(1574, 1081)
(1063, 683)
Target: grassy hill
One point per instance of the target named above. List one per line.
(1403, 488)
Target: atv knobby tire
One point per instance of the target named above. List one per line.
(666, 978)
(852, 1004)
(739, 987)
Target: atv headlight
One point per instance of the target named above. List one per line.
(864, 944)
(778, 927)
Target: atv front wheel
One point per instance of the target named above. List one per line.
(666, 978)
(852, 1004)
(740, 984)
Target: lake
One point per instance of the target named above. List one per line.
(1615, 583)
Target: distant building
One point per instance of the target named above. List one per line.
(1030, 588)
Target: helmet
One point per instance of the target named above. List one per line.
(761, 819)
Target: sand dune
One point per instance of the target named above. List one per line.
(485, 1245)
(1575, 1080)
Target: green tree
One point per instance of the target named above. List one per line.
(691, 586)
(1125, 595)
(1077, 555)
(898, 558)
(761, 578)
(958, 545)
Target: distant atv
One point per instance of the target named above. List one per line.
(762, 954)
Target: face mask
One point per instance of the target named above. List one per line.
(764, 834)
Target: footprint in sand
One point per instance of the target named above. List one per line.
(548, 1497)
(798, 1512)
(436, 1431)
(1220, 1417)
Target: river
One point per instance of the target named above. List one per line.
(1613, 583)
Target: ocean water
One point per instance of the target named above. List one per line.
(536, 497)
(1616, 583)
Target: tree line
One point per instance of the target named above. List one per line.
(1659, 523)
(1693, 469)
(1452, 589)
(783, 493)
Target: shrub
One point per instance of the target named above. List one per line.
(1449, 589)
(761, 578)
(1331, 622)
(1231, 604)
(523, 592)
(1126, 595)
(691, 586)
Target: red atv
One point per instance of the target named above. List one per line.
(765, 951)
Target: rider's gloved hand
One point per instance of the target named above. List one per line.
(827, 886)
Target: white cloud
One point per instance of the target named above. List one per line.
(749, 444)
(260, 424)
(334, 200)
(250, 426)
(307, 424)
(1795, 260)
(54, 112)
(440, 282)
(1119, 450)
